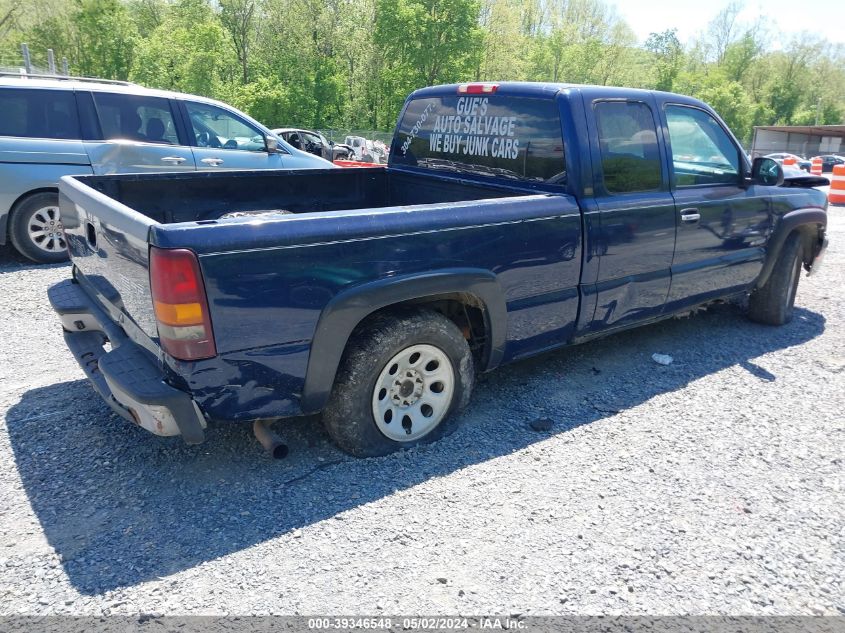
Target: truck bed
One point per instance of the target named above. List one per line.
(270, 280)
(203, 196)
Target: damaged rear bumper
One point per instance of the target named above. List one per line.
(127, 377)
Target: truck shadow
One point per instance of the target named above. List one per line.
(121, 506)
(12, 261)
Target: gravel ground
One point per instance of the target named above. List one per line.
(711, 485)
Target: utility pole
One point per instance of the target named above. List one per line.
(818, 109)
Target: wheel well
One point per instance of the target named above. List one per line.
(21, 199)
(465, 310)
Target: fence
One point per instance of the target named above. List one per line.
(37, 64)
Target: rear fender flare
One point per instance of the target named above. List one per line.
(350, 307)
(812, 219)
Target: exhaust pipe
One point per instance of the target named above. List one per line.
(271, 442)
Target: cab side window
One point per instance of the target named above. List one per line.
(135, 118)
(630, 158)
(38, 114)
(702, 152)
(217, 128)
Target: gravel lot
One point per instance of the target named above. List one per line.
(711, 485)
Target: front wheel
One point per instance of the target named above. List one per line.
(399, 383)
(35, 227)
(773, 302)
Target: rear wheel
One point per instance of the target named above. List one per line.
(774, 301)
(399, 383)
(35, 227)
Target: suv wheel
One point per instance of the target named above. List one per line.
(399, 382)
(35, 228)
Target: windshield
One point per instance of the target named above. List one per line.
(492, 136)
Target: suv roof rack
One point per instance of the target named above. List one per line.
(65, 78)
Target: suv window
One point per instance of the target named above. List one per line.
(494, 136)
(137, 118)
(702, 152)
(214, 127)
(38, 114)
(630, 159)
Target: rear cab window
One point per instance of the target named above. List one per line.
(630, 158)
(37, 113)
(495, 136)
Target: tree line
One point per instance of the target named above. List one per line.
(351, 63)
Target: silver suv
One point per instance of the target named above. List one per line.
(57, 126)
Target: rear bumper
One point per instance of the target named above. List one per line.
(127, 377)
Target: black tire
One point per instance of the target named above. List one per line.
(773, 302)
(50, 249)
(349, 415)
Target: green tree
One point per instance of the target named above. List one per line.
(425, 42)
(147, 15)
(104, 39)
(668, 57)
(188, 52)
(505, 46)
(351, 63)
(238, 18)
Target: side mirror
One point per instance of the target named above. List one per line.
(331, 143)
(766, 171)
(271, 144)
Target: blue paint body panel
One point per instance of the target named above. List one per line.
(549, 263)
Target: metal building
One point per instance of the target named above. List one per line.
(803, 140)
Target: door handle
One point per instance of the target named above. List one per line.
(690, 215)
(173, 160)
(214, 162)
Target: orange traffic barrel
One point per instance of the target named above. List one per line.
(837, 185)
(816, 166)
(789, 161)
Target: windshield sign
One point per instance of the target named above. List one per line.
(489, 136)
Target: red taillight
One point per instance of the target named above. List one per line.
(181, 307)
(477, 89)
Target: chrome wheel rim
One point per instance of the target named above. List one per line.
(413, 393)
(46, 231)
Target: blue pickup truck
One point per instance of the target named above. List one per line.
(512, 219)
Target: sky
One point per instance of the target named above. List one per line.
(825, 18)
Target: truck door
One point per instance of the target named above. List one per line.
(723, 224)
(134, 133)
(223, 140)
(634, 237)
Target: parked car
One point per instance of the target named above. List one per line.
(802, 163)
(363, 149)
(829, 160)
(512, 219)
(52, 127)
(314, 143)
